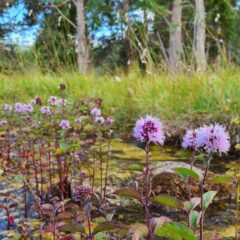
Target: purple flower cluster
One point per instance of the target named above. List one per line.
(3, 122)
(18, 107)
(83, 192)
(27, 108)
(62, 102)
(212, 138)
(110, 121)
(7, 107)
(78, 120)
(100, 120)
(149, 129)
(64, 124)
(46, 110)
(96, 112)
(190, 138)
(53, 101)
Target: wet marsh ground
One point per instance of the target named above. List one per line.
(126, 166)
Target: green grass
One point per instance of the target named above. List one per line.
(181, 99)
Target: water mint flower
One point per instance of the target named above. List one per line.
(78, 120)
(62, 102)
(149, 129)
(110, 121)
(82, 192)
(18, 107)
(96, 112)
(64, 124)
(53, 100)
(33, 102)
(100, 120)
(3, 122)
(46, 110)
(190, 139)
(7, 107)
(62, 86)
(27, 108)
(213, 138)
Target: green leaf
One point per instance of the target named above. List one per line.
(208, 198)
(221, 179)
(194, 219)
(168, 201)
(192, 204)
(72, 228)
(138, 231)
(107, 226)
(175, 231)
(18, 177)
(135, 167)
(101, 236)
(185, 173)
(129, 192)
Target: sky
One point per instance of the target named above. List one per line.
(26, 37)
(21, 36)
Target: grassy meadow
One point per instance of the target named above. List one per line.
(179, 100)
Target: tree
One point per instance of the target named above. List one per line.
(175, 39)
(200, 35)
(81, 38)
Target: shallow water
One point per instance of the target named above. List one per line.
(220, 215)
(126, 165)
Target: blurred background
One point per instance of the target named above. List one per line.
(106, 36)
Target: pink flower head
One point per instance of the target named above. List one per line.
(62, 102)
(100, 120)
(53, 100)
(78, 120)
(96, 112)
(27, 108)
(7, 107)
(3, 122)
(213, 138)
(110, 121)
(64, 124)
(18, 107)
(62, 86)
(46, 110)
(190, 138)
(33, 102)
(149, 129)
(83, 192)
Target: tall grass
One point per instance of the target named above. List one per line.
(214, 95)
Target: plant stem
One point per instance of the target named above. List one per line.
(202, 192)
(35, 168)
(190, 188)
(237, 208)
(147, 193)
(101, 166)
(107, 166)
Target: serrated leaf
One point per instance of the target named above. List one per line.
(194, 219)
(192, 204)
(208, 198)
(72, 228)
(221, 179)
(129, 192)
(107, 226)
(175, 231)
(185, 173)
(168, 201)
(64, 216)
(138, 231)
